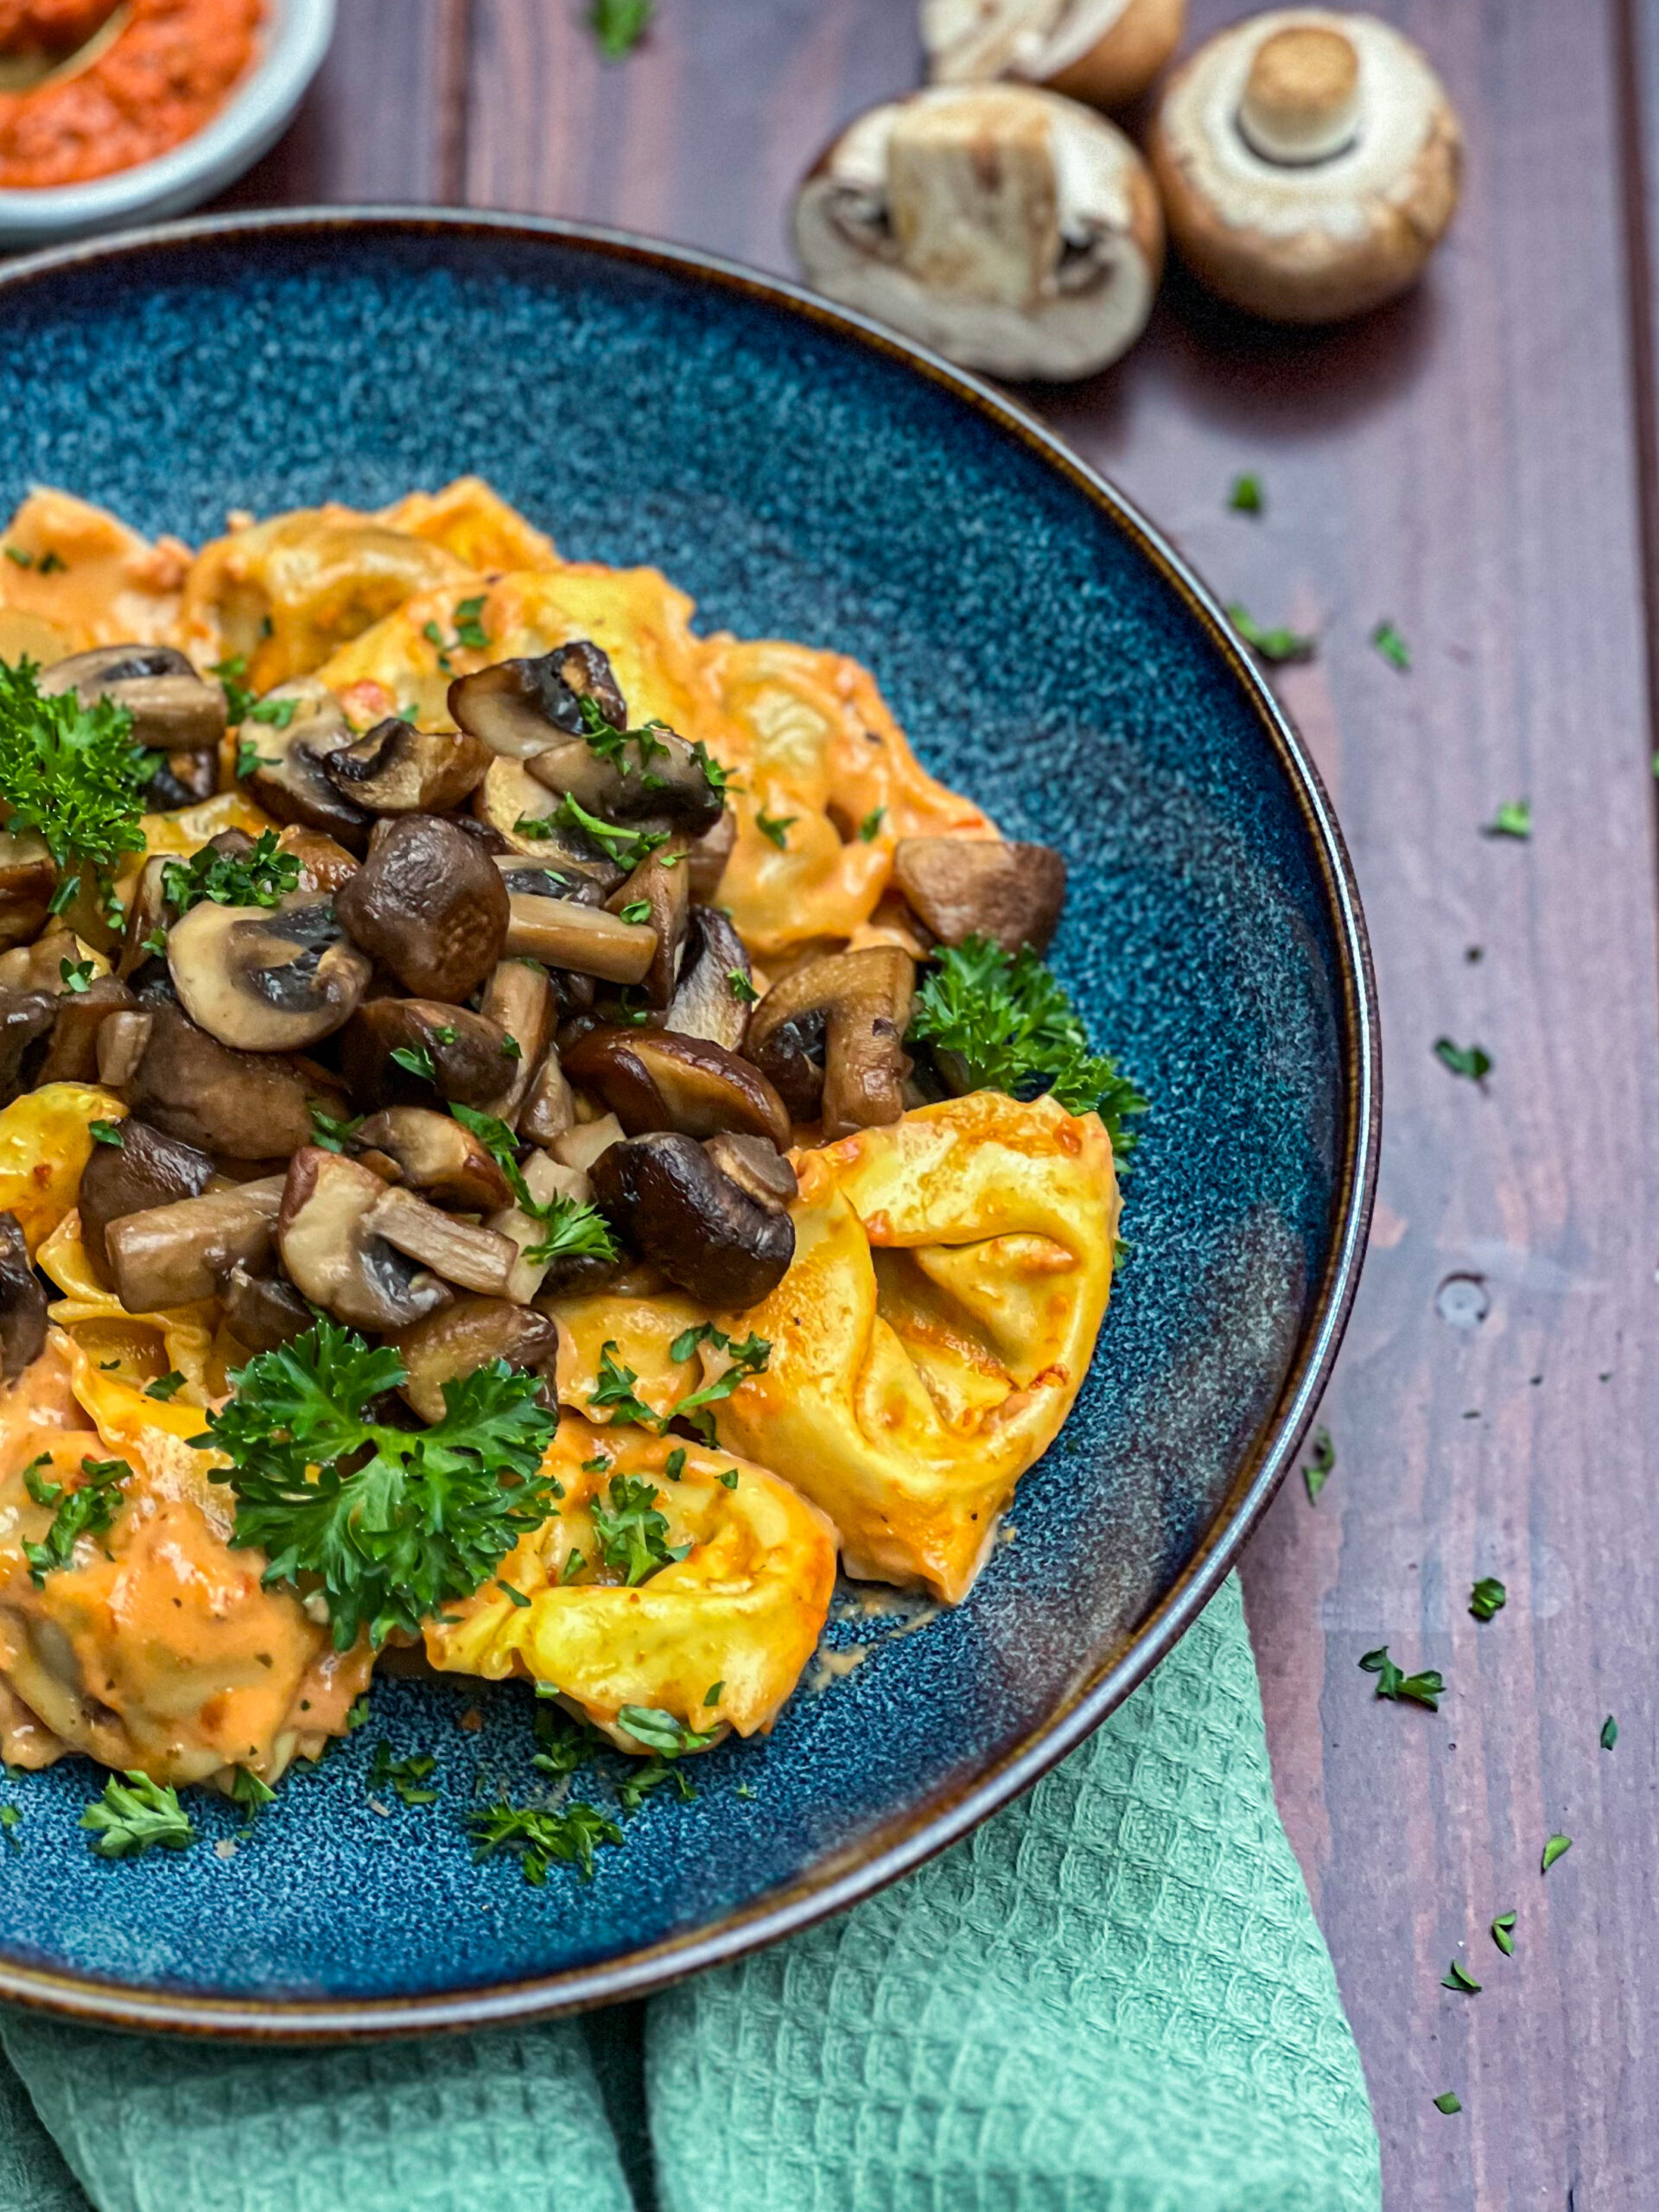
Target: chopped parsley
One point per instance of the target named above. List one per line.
(539, 1836)
(418, 1059)
(1512, 819)
(870, 828)
(470, 631)
(77, 974)
(776, 827)
(716, 778)
(1487, 1598)
(1609, 1733)
(1392, 647)
(619, 25)
(10, 1816)
(393, 1522)
(742, 988)
(86, 1510)
(1427, 1689)
(1274, 646)
(135, 1815)
(1504, 1933)
(165, 1387)
(1557, 1847)
(627, 848)
(674, 1466)
(105, 1133)
(434, 637)
(1010, 1024)
(330, 1131)
(746, 1358)
(614, 1388)
(663, 1732)
(263, 877)
(728, 1480)
(1472, 1062)
(636, 911)
(51, 563)
(1458, 1977)
(515, 1596)
(608, 743)
(1318, 1470)
(248, 758)
(1245, 497)
(575, 1231)
(23, 558)
(712, 1694)
(70, 773)
(632, 1535)
(250, 1792)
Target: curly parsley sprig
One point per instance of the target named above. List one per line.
(574, 1230)
(263, 877)
(70, 773)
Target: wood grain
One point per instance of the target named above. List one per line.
(1468, 464)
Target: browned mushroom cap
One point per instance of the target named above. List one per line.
(467, 1055)
(143, 1170)
(324, 865)
(668, 1199)
(652, 1079)
(287, 778)
(174, 1255)
(27, 1018)
(657, 896)
(448, 1346)
(520, 1000)
(476, 1259)
(568, 933)
(332, 1256)
(263, 1311)
(651, 776)
(72, 1056)
(182, 779)
(550, 1106)
(123, 1040)
(22, 1302)
(714, 994)
(433, 1155)
(830, 1037)
(970, 887)
(430, 905)
(397, 769)
(519, 707)
(755, 1165)
(237, 1105)
(173, 709)
(708, 856)
(267, 979)
(27, 879)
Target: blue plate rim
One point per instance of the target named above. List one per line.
(906, 1843)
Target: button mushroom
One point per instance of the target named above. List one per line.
(520, 1000)
(714, 994)
(236, 1105)
(653, 1080)
(476, 1259)
(971, 886)
(287, 778)
(1009, 229)
(397, 769)
(173, 709)
(710, 1235)
(466, 1054)
(430, 905)
(1310, 162)
(72, 1055)
(264, 1312)
(145, 1170)
(515, 808)
(830, 1038)
(648, 776)
(448, 1346)
(27, 879)
(519, 707)
(1106, 52)
(263, 979)
(569, 933)
(27, 1018)
(332, 1256)
(22, 1302)
(433, 1155)
(174, 1254)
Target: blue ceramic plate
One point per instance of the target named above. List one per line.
(805, 476)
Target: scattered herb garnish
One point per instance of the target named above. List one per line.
(165, 1386)
(674, 1466)
(627, 848)
(636, 911)
(1557, 1847)
(633, 1535)
(1488, 1597)
(135, 1815)
(1273, 645)
(1010, 1023)
(1458, 1977)
(1513, 819)
(575, 1231)
(1427, 1689)
(329, 1131)
(870, 828)
(1448, 2101)
(712, 1694)
(250, 1792)
(1245, 497)
(263, 877)
(9, 1817)
(105, 1133)
(1318, 1470)
(418, 1059)
(1504, 1933)
(86, 1510)
(742, 988)
(1392, 647)
(21, 556)
(614, 1388)
(539, 1836)
(51, 563)
(728, 1480)
(470, 631)
(1470, 1061)
(70, 773)
(619, 25)
(391, 1521)
(716, 778)
(407, 1777)
(663, 1732)
(434, 637)
(248, 757)
(776, 827)
(1609, 1733)
(514, 1595)
(77, 974)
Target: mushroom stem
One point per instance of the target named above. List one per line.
(172, 1255)
(974, 199)
(1301, 101)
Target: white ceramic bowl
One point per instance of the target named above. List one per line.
(295, 39)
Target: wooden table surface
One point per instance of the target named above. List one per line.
(1477, 465)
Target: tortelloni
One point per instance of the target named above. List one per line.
(950, 1277)
(741, 1570)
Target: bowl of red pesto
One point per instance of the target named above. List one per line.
(116, 111)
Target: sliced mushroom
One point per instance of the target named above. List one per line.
(971, 886)
(1310, 163)
(830, 1037)
(567, 933)
(649, 776)
(333, 1256)
(433, 1155)
(509, 797)
(22, 1302)
(174, 1255)
(29, 876)
(550, 1107)
(466, 1054)
(173, 709)
(653, 1080)
(72, 1056)
(264, 1312)
(236, 1105)
(27, 1018)
(1106, 52)
(519, 707)
(123, 1040)
(430, 905)
(706, 862)
(287, 778)
(397, 769)
(546, 1180)
(715, 993)
(447, 1347)
(756, 1165)
(661, 885)
(145, 1170)
(267, 979)
(40, 966)
(476, 1259)
(520, 1000)
(668, 1198)
(324, 865)
(1010, 229)
(584, 1142)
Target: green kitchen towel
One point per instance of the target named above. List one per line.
(1111, 1998)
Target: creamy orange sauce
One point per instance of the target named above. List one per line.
(165, 72)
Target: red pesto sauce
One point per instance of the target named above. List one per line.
(164, 75)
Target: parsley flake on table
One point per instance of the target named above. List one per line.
(1458, 1978)
(1274, 646)
(1245, 497)
(263, 877)
(393, 1522)
(1472, 1062)
(1557, 1847)
(1503, 1933)
(1007, 1024)
(1319, 1468)
(10, 1816)
(1448, 2101)
(407, 1777)
(619, 25)
(1512, 819)
(632, 1535)
(135, 1815)
(1392, 647)
(70, 773)
(1427, 1689)
(1609, 1733)
(86, 1510)
(1487, 1598)
(251, 1792)
(539, 1836)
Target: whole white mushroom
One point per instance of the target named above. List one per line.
(1309, 163)
(1106, 52)
(1007, 228)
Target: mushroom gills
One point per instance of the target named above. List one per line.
(714, 993)
(267, 980)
